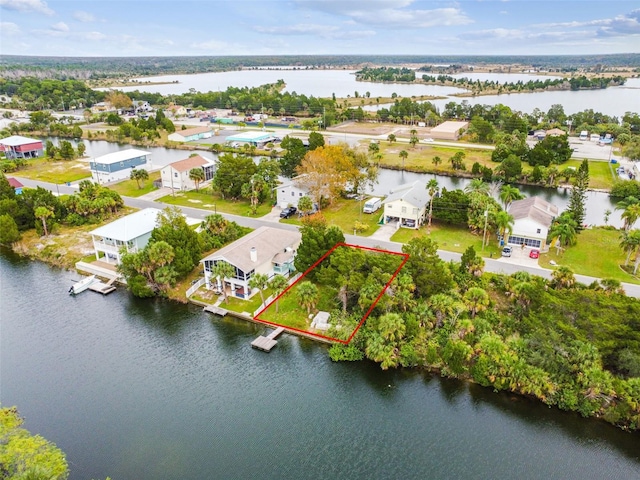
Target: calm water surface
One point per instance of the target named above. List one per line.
(147, 389)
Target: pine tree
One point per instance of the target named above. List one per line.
(578, 195)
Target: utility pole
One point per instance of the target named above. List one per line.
(484, 235)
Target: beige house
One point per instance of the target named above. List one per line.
(532, 217)
(449, 130)
(267, 250)
(191, 134)
(176, 174)
(177, 110)
(407, 205)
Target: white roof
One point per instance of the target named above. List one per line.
(17, 140)
(129, 227)
(120, 156)
(250, 136)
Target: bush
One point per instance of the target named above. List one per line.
(625, 188)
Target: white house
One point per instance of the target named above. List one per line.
(407, 205)
(267, 250)
(118, 165)
(131, 233)
(290, 193)
(191, 134)
(176, 174)
(177, 110)
(532, 217)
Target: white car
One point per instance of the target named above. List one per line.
(427, 140)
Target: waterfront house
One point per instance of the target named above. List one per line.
(118, 165)
(176, 174)
(290, 193)
(267, 250)
(17, 186)
(17, 146)
(449, 130)
(191, 134)
(406, 205)
(130, 233)
(532, 217)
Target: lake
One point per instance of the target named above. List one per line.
(149, 389)
(613, 101)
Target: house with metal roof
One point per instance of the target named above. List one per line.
(449, 130)
(291, 192)
(191, 134)
(532, 217)
(176, 174)
(118, 165)
(266, 250)
(257, 139)
(17, 146)
(406, 205)
(131, 233)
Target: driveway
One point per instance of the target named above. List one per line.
(384, 232)
(520, 256)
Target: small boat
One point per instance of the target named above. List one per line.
(82, 285)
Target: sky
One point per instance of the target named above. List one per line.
(315, 27)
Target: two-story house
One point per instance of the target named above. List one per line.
(407, 205)
(532, 217)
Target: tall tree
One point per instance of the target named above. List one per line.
(308, 295)
(476, 299)
(232, 173)
(430, 274)
(508, 194)
(196, 175)
(578, 196)
(403, 156)
(259, 281)
(630, 243)
(43, 214)
(317, 239)
(172, 228)
(630, 215)
(222, 270)
(295, 152)
(564, 230)
(504, 222)
(139, 175)
(433, 188)
(315, 140)
(278, 284)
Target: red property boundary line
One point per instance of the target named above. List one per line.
(405, 257)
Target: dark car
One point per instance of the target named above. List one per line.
(287, 212)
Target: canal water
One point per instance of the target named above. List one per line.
(149, 389)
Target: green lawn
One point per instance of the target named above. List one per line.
(420, 158)
(215, 203)
(345, 213)
(599, 173)
(596, 254)
(451, 238)
(58, 172)
(238, 305)
(129, 188)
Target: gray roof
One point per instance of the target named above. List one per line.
(130, 227)
(121, 156)
(269, 243)
(535, 208)
(17, 140)
(415, 193)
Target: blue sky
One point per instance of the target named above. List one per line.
(272, 27)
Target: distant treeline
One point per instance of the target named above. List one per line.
(575, 83)
(106, 67)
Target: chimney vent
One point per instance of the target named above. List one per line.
(253, 254)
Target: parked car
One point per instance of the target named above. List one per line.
(534, 254)
(506, 251)
(427, 140)
(287, 212)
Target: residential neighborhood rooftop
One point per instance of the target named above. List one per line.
(17, 140)
(535, 208)
(120, 156)
(250, 137)
(450, 126)
(414, 193)
(193, 131)
(129, 227)
(189, 163)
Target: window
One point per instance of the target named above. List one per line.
(528, 242)
(404, 209)
(175, 174)
(293, 194)
(300, 193)
(538, 230)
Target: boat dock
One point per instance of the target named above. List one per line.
(215, 310)
(267, 343)
(103, 288)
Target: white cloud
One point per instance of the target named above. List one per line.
(93, 36)
(628, 24)
(84, 17)
(60, 27)
(38, 6)
(211, 45)
(9, 28)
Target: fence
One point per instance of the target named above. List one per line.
(195, 287)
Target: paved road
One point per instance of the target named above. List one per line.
(491, 265)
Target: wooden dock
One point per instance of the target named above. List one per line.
(215, 310)
(267, 343)
(103, 288)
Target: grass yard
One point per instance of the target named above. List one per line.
(58, 172)
(451, 238)
(596, 254)
(291, 314)
(215, 203)
(600, 176)
(129, 188)
(345, 213)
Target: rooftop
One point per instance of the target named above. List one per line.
(120, 156)
(414, 193)
(193, 131)
(535, 208)
(268, 242)
(17, 140)
(449, 126)
(129, 227)
(251, 137)
(14, 183)
(189, 163)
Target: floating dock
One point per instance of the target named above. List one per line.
(215, 310)
(103, 288)
(267, 343)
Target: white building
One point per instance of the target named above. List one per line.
(118, 165)
(407, 205)
(290, 193)
(130, 233)
(176, 174)
(267, 250)
(532, 217)
(191, 134)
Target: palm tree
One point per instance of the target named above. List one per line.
(476, 299)
(403, 155)
(391, 137)
(477, 185)
(308, 295)
(259, 281)
(139, 175)
(630, 243)
(565, 230)
(508, 194)
(196, 175)
(630, 215)
(436, 160)
(563, 277)
(222, 270)
(278, 284)
(504, 222)
(433, 187)
(43, 213)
